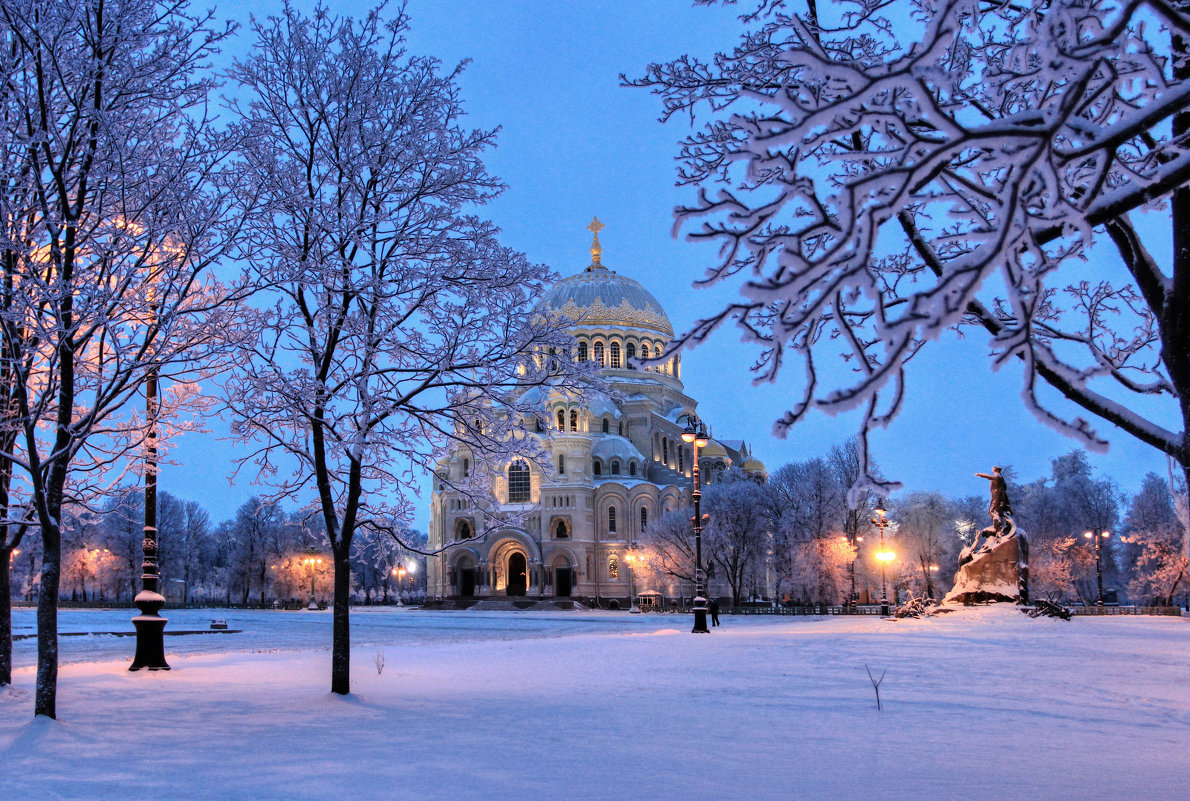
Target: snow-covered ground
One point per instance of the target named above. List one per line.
(978, 704)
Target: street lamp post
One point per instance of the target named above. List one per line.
(883, 556)
(1095, 536)
(632, 558)
(696, 433)
(150, 625)
(311, 562)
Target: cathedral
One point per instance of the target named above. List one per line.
(617, 464)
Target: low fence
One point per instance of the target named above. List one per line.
(1171, 611)
(824, 609)
(874, 609)
(281, 605)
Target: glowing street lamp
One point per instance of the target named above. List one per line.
(1095, 537)
(311, 562)
(883, 555)
(399, 572)
(696, 434)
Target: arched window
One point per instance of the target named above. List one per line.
(518, 482)
(632, 468)
(611, 518)
(582, 351)
(560, 532)
(615, 354)
(596, 469)
(599, 353)
(561, 420)
(561, 464)
(681, 467)
(466, 467)
(573, 420)
(464, 530)
(665, 451)
(615, 467)
(678, 366)
(630, 354)
(613, 568)
(621, 428)
(606, 426)
(644, 518)
(644, 354)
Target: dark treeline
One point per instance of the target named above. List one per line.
(261, 556)
(796, 539)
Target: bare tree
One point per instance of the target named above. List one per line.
(669, 544)
(121, 531)
(875, 173)
(928, 541)
(397, 322)
(737, 535)
(122, 217)
(1154, 545)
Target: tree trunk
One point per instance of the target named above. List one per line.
(341, 631)
(46, 699)
(5, 617)
(1175, 317)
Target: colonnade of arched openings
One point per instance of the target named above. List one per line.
(621, 353)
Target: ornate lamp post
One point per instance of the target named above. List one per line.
(884, 556)
(311, 562)
(150, 625)
(1095, 536)
(696, 433)
(632, 557)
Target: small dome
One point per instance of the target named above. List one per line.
(713, 450)
(598, 296)
(613, 446)
(753, 465)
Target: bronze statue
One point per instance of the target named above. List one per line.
(1000, 510)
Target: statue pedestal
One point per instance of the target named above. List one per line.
(996, 570)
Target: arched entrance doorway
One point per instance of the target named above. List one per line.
(563, 576)
(563, 581)
(518, 573)
(464, 578)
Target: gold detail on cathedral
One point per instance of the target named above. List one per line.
(596, 249)
(624, 314)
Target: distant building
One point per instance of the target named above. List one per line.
(617, 465)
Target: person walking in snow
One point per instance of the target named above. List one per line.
(714, 611)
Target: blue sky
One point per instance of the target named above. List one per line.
(574, 144)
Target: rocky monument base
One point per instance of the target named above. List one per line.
(995, 567)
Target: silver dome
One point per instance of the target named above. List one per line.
(599, 296)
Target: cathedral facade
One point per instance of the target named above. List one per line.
(617, 465)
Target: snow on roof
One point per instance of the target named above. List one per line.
(673, 413)
(602, 404)
(613, 446)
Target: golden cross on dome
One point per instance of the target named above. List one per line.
(596, 249)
